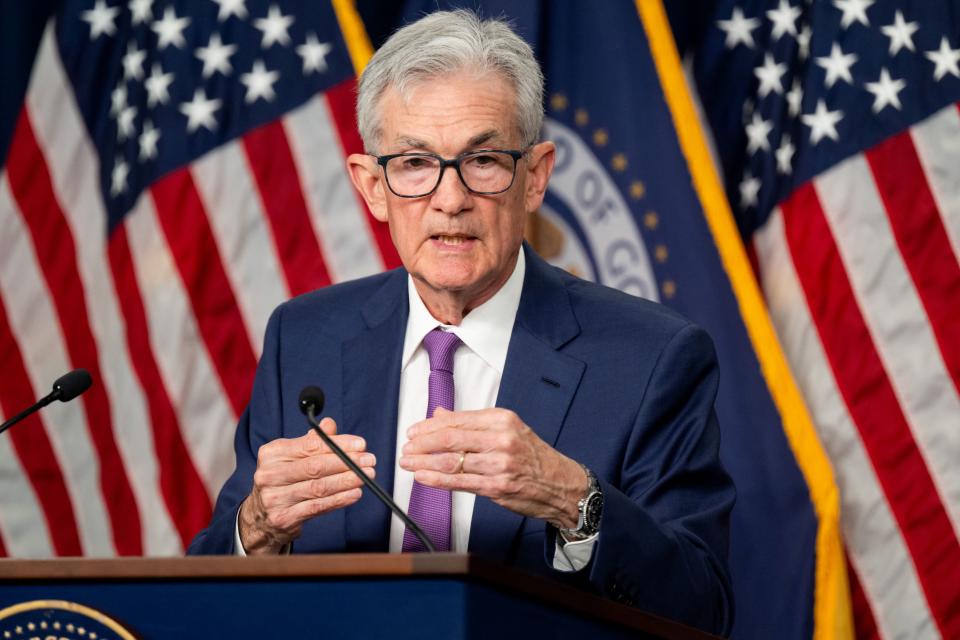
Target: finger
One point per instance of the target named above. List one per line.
(303, 511)
(455, 439)
(485, 464)
(316, 488)
(480, 419)
(307, 445)
(489, 486)
(285, 472)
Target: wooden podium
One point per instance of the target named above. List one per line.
(391, 596)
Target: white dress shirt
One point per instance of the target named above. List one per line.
(477, 368)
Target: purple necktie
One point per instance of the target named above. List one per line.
(430, 507)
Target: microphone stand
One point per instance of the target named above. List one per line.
(373, 486)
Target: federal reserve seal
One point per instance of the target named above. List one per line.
(58, 620)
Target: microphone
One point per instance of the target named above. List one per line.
(65, 388)
(311, 403)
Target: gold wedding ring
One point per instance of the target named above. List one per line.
(463, 456)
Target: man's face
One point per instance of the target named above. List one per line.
(453, 240)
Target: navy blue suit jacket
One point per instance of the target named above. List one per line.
(623, 385)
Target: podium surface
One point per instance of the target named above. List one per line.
(393, 596)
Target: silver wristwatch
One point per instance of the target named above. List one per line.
(590, 508)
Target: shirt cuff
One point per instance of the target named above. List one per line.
(573, 556)
(238, 549)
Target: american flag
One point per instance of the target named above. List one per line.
(837, 127)
(175, 173)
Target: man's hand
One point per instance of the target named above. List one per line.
(297, 479)
(504, 460)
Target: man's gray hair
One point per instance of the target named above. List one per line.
(442, 43)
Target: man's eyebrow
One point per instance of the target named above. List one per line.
(413, 143)
(483, 138)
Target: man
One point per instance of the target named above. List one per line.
(573, 424)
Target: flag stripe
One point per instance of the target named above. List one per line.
(278, 182)
(338, 216)
(33, 447)
(187, 230)
(341, 102)
(183, 491)
(31, 187)
(74, 171)
(189, 375)
(871, 401)
(863, 618)
(937, 140)
(874, 541)
(923, 242)
(23, 529)
(242, 234)
(896, 321)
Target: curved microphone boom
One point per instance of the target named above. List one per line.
(311, 403)
(65, 388)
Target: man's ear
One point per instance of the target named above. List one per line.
(540, 159)
(368, 179)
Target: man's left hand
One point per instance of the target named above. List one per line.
(493, 453)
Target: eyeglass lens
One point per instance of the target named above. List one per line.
(483, 172)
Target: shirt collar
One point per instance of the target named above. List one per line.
(486, 330)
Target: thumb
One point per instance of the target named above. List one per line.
(329, 426)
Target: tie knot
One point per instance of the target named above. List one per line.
(440, 346)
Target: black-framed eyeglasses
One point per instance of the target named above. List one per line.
(484, 172)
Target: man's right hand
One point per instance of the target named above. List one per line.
(297, 479)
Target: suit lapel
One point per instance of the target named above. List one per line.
(371, 387)
(538, 384)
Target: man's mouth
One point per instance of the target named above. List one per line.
(452, 240)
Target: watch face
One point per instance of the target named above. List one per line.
(592, 512)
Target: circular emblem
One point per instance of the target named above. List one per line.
(589, 226)
(58, 620)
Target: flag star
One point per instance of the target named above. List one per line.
(738, 29)
(199, 111)
(314, 54)
(803, 42)
(216, 56)
(795, 98)
(170, 28)
(118, 178)
(757, 133)
(259, 83)
(125, 120)
(749, 190)
(141, 11)
(770, 74)
(148, 141)
(784, 154)
(784, 19)
(945, 59)
(274, 27)
(100, 19)
(853, 11)
(886, 91)
(837, 65)
(133, 61)
(822, 123)
(900, 33)
(231, 8)
(157, 86)
(118, 99)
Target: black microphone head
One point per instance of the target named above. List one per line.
(311, 397)
(70, 385)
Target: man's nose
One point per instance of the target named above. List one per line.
(451, 195)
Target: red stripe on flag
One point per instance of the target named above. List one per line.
(180, 483)
(214, 304)
(33, 447)
(864, 623)
(922, 240)
(281, 191)
(56, 253)
(340, 101)
(873, 406)
(3, 548)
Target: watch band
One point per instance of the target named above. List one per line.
(588, 508)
